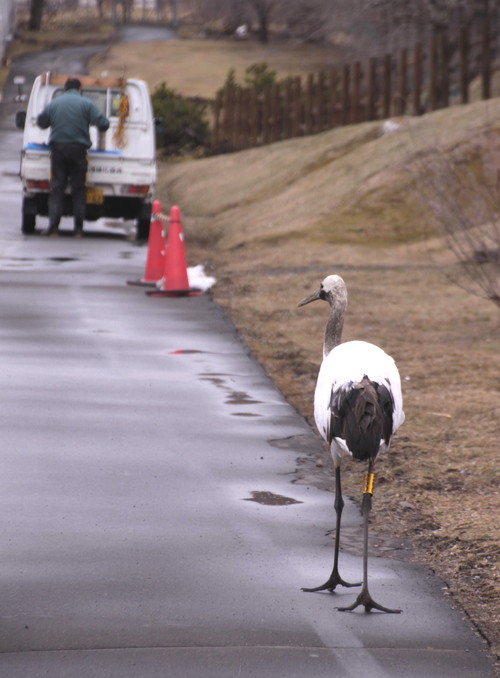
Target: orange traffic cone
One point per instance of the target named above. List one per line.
(155, 258)
(175, 282)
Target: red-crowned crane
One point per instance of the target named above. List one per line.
(357, 407)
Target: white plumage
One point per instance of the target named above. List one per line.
(358, 406)
(345, 365)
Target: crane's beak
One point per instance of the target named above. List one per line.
(312, 297)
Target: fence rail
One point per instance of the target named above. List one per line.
(425, 78)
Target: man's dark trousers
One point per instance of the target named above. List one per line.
(68, 162)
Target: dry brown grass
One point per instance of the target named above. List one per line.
(200, 67)
(274, 221)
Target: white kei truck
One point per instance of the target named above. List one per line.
(121, 172)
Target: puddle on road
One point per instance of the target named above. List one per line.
(241, 398)
(28, 261)
(233, 397)
(307, 444)
(16, 261)
(271, 499)
(184, 351)
(245, 414)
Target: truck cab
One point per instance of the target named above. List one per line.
(121, 172)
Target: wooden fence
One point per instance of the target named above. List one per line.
(412, 82)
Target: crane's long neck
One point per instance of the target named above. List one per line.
(334, 325)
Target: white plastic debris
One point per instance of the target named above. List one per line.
(198, 278)
(390, 126)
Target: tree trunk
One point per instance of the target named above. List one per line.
(263, 10)
(36, 12)
(263, 31)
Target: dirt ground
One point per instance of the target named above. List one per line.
(269, 242)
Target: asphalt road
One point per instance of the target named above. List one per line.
(135, 432)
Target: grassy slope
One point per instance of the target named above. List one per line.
(274, 221)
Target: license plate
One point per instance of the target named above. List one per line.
(95, 196)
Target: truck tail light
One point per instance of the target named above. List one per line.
(41, 185)
(134, 189)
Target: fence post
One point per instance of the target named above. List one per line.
(265, 115)
(228, 118)
(288, 110)
(485, 60)
(445, 71)
(320, 102)
(387, 86)
(345, 95)
(245, 118)
(332, 98)
(294, 116)
(275, 113)
(309, 104)
(417, 78)
(356, 85)
(433, 74)
(464, 65)
(371, 94)
(216, 126)
(254, 117)
(237, 128)
(401, 95)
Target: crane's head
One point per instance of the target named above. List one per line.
(332, 290)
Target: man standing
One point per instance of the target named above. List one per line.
(69, 118)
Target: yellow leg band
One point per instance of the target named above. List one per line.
(368, 483)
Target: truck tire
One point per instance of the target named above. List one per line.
(28, 225)
(143, 229)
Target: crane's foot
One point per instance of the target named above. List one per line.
(365, 599)
(334, 580)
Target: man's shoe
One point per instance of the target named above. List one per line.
(78, 234)
(52, 232)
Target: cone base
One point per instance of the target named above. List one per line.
(142, 283)
(191, 292)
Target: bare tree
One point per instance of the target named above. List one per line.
(226, 15)
(36, 13)
(264, 10)
(309, 19)
(466, 209)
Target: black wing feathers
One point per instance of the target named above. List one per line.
(361, 414)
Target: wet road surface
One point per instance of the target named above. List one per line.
(151, 522)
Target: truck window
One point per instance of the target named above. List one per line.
(108, 101)
(99, 97)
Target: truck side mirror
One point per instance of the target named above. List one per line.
(20, 119)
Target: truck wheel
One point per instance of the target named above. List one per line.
(28, 225)
(143, 229)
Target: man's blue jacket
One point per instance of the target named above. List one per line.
(69, 118)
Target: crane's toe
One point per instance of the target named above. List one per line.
(369, 604)
(330, 585)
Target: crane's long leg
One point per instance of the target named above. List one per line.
(335, 579)
(364, 597)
